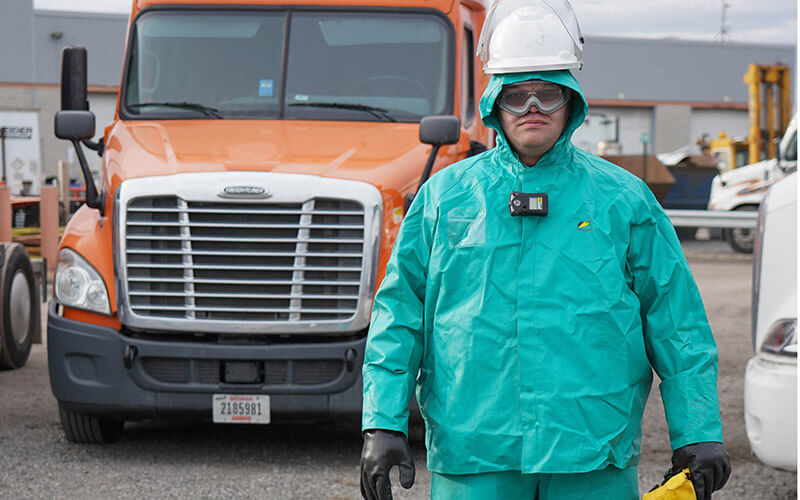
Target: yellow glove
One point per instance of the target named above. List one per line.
(678, 487)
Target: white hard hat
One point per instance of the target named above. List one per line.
(530, 35)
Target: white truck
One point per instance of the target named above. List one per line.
(744, 188)
(770, 387)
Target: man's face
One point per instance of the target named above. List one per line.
(534, 133)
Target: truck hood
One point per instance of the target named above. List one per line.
(378, 153)
(749, 174)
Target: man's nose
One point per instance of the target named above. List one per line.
(532, 109)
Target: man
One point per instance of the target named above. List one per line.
(530, 338)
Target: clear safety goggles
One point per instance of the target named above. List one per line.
(547, 97)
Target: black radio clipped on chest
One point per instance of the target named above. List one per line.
(528, 204)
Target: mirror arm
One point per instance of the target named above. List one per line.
(425, 174)
(428, 166)
(98, 146)
(93, 200)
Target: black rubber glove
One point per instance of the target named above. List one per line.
(709, 464)
(383, 450)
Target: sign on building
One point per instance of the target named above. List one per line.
(20, 156)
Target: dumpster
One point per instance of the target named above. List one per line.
(657, 177)
(693, 176)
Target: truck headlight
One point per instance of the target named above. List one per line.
(78, 284)
(781, 338)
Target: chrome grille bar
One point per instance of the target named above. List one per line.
(243, 309)
(234, 211)
(134, 279)
(243, 254)
(246, 240)
(243, 268)
(186, 250)
(240, 295)
(243, 226)
(300, 261)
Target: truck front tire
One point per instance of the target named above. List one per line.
(83, 428)
(740, 239)
(21, 317)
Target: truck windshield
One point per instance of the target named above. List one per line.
(340, 65)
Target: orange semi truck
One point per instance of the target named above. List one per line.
(254, 179)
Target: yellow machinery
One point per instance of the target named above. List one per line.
(769, 109)
(730, 152)
(763, 82)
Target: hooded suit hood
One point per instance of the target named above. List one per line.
(580, 108)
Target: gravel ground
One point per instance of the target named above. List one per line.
(184, 460)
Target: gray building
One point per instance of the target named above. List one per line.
(674, 90)
(30, 68)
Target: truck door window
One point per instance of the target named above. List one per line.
(467, 79)
(345, 65)
(790, 154)
(742, 158)
(723, 159)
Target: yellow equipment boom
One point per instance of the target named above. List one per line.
(763, 82)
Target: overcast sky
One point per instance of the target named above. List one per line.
(759, 21)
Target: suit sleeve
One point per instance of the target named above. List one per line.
(395, 340)
(678, 339)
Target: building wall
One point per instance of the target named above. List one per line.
(632, 122)
(685, 131)
(674, 70)
(713, 121)
(47, 101)
(670, 128)
(16, 47)
(103, 35)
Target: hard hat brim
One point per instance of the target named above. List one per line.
(513, 67)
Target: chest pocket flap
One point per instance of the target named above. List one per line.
(464, 230)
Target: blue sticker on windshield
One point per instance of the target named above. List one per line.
(265, 88)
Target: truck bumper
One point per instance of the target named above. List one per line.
(770, 411)
(97, 370)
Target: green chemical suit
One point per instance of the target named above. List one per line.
(530, 340)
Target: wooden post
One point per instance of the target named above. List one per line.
(48, 221)
(5, 214)
(63, 186)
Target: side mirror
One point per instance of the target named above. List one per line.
(440, 130)
(437, 131)
(74, 125)
(75, 122)
(73, 79)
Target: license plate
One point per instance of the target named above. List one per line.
(240, 409)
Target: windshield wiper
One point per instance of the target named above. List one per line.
(206, 110)
(376, 112)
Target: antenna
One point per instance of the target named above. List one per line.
(723, 35)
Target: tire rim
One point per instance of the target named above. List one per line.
(20, 302)
(745, 238)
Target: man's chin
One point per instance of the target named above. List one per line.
(535, 142)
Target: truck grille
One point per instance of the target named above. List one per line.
(244, 262)
(275, 372)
